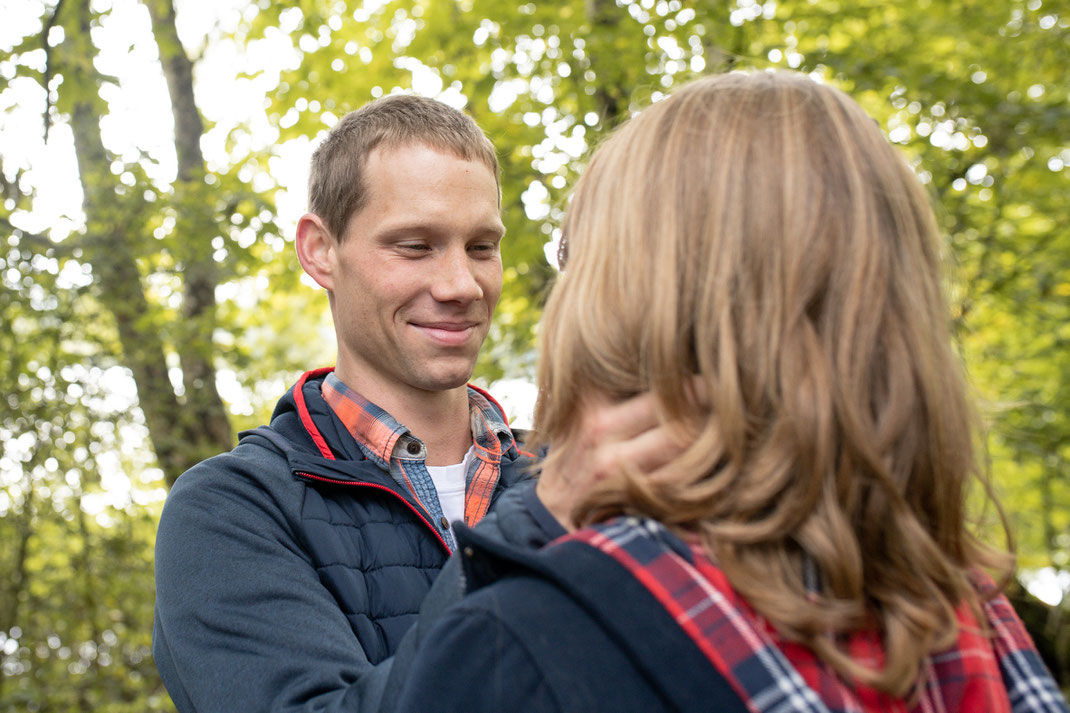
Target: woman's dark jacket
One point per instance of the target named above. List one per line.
(623, 616)
(561, 629)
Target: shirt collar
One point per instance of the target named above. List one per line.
(377, 432)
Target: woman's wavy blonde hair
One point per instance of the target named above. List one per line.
(757, 230)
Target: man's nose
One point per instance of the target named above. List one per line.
(454, 279)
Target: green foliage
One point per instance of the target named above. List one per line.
(80, 489)
(974, 92)
(76, 592)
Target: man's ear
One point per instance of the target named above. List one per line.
(315, 250)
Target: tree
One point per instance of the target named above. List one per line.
(158, 285)
(973, 92)
(86, 316)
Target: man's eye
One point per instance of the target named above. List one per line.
(414, 247)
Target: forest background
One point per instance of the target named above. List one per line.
(152, 163)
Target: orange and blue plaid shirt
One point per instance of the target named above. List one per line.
(392, 447)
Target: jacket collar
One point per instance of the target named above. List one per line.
(318, 438)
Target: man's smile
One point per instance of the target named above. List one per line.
(448, 332)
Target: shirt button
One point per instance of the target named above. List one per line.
(413, 447)
(444, 522)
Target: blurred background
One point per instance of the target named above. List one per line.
(153, 157)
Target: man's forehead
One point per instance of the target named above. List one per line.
(415, 188)
(420, 164)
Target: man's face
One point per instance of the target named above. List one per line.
(418, 273)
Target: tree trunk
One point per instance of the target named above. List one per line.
(196, 228)
(181, 433)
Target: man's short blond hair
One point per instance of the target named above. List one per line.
(336, 184)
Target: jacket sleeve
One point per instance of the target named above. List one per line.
(518, 518)
(242, 622)
(498, 672)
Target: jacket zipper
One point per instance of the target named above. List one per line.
(385, 489)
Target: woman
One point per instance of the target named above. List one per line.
(805, 547)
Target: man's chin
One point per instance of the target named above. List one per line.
(448, 380)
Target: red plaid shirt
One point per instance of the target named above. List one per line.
(1000, 672)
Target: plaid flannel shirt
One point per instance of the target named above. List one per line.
(998, 672)
(392, 447)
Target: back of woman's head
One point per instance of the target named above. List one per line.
(758, 230)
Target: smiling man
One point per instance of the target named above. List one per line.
(289, 570)
(413, 280)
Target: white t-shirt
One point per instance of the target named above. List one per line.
(449, 483)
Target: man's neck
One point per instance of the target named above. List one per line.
(438, 418)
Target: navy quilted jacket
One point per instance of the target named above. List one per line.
(285, 580)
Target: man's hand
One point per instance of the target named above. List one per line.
(612, 434)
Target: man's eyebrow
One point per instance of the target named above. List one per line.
(408, 229)
(418, 229)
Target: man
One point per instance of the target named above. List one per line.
(289, 570)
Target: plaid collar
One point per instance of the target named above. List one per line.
(998, 672)
(392, 447)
